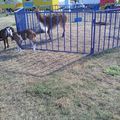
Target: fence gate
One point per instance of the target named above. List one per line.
(86, 32)
(106, 30)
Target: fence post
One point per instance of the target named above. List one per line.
(93, 33)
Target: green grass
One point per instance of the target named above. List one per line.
(51, 89)
(75, 101)
(113, 70)
(2, 15)
(14, 24)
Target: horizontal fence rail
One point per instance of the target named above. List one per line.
(66, 7)
(86, 32)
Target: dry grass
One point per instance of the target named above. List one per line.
(78, 90)
(58, 86)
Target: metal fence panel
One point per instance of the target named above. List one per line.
(86, 32)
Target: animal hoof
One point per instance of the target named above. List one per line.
(50, 39)
(5, 47)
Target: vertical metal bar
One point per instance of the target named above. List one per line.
(30, 20)
(51, 25)
(64, 30)
(84, 48)
(30, 24)
(40, 31)
(70, 34)
(45, 24)
(77, 32)
(99, 32)
(27, 20)
(33, 21)
(91, 35)
(73, 16)
(105, 29)
(118, 38)
(93, 32)
(114, 29)
(110, 30)
(57, 29)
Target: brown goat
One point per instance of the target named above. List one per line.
(24, 35)
(51, 21)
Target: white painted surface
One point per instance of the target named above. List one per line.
(63, 2)
(90, 1)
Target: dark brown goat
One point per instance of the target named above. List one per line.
(4, 34)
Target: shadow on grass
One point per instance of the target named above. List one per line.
(81, 60)
(88, 57)
(7, 57)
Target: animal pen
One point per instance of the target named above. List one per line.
(86, 32)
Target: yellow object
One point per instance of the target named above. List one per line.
(13, 4)
(18, 5)
(4, 6)
(42, 4)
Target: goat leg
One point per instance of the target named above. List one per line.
(19, 49)
(7, 43)
(4, 44)
(49, 34)
(33, 45)
(63, 34)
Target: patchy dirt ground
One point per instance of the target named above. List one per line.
(7, 21)
(58, 86)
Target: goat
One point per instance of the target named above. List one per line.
(48, 22)
(4, 34)
(24, 35)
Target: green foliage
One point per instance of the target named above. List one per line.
(113, 70)
(103, 115)
(51, 90)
